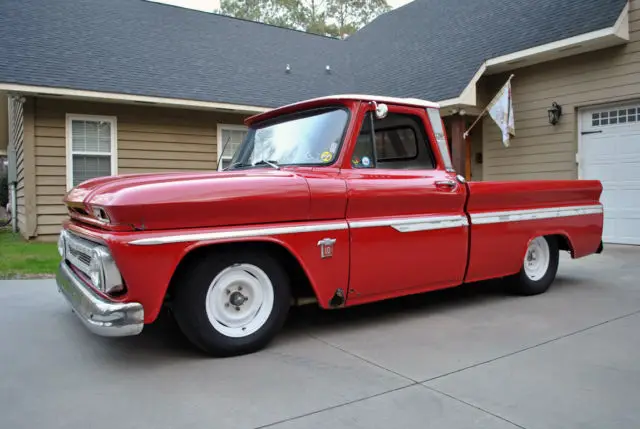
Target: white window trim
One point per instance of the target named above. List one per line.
(221, 143)
(69, 147)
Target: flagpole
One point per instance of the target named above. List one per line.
(466, 133)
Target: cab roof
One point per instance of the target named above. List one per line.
(322, 101)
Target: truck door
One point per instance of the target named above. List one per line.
(408, 228)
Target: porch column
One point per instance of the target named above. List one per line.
(458, 145)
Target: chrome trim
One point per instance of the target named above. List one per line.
(533, 214)
(110, 277)
(406, 224)
(326, 247)
(449, 183)
(414, 224)
(247, 233)
(79, 251)
(100, 316)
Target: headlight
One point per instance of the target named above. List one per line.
(95, 270)
(61, 243)
(103, 271)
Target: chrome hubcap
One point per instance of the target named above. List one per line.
(239, 300)
(537, 258)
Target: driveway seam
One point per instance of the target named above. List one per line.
(504, 419)
(421, 383)
(363, 359)
(344, 404)
(570, 334)
(332, 407)
(413, 383)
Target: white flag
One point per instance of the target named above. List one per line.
(501, 110)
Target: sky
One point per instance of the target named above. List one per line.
(211, 5)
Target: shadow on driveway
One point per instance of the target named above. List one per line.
(163, 337)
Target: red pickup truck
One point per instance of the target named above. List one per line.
(313, 207)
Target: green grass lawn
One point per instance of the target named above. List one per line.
(19, 258)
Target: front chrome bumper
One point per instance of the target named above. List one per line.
(100, 316)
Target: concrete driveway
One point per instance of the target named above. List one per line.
(470, 357)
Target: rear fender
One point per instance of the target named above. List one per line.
(564, 242)
(506, 216)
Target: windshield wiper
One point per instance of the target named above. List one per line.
(241, 164)
(237, 163)
(272, 163)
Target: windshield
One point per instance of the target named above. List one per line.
(312, 139)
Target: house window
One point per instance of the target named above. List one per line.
(232, 136)
(91, 148)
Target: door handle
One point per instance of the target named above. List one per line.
(445, 184)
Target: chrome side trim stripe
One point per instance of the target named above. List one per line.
(534, 214)
(407, 224)
(414, 224)
(246, 233)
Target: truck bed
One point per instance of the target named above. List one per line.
(505, 216)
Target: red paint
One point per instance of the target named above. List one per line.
(497, 249)
(384, 260)
(369, 263)
(532, 194)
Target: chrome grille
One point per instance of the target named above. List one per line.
(78, 252)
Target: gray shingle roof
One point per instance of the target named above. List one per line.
(432, 48)
(428, 48)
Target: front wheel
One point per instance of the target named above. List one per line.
(234, 303)
(539, 267)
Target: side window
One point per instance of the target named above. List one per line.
(401, 143)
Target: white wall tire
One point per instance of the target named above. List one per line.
(232, 303)
(539, 267)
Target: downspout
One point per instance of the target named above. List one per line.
(12, 173)
(14, 208)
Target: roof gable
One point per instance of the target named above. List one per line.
(432, 48)
(426, 49)
(140, 47)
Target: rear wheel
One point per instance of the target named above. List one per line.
(539, 267)
(233, 303)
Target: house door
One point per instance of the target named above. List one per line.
(610, 152)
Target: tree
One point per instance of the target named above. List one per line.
(274, 12)
(351, 15)
(327, 17)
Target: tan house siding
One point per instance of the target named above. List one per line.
(21, 137)
(544, 151)
(149, 139)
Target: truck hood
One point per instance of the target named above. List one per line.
(191, 200)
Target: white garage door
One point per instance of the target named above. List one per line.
(610, 152)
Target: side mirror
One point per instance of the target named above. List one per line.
(381, 111)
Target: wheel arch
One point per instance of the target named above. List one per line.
(562, 238)
(302, 285)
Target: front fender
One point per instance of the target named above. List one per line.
(148, 260)
(325, 275)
